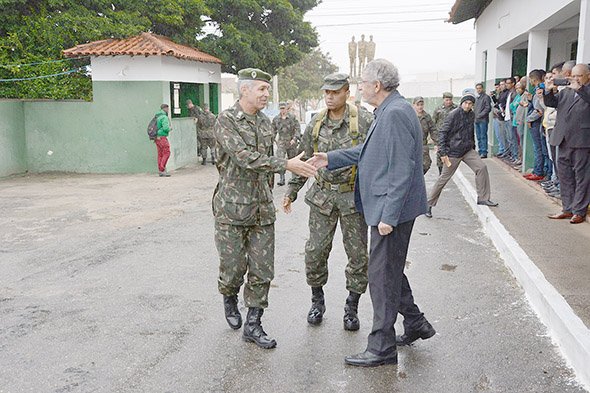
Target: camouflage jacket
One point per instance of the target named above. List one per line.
(332, 136)
(440, 114)
(246, 166)
(286, 129)
(428, 128)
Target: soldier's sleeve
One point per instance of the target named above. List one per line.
(435, 116)
(365, 121)
(432, 130)
(231, 141)
(296, 130)
(306, 145)
(275, 129)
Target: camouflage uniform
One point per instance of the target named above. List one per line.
(331, 198)
(428, 129)
(439, 116)
(242, 204)
(205, 126)
(286, 130)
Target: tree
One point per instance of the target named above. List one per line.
(302, 81)
(250, 33)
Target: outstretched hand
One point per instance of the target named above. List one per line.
(319, 160)
(299, 167)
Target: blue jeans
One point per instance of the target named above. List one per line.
(538, 147)
(498, 126)
(509, 141)
(481, 133)
(547, 163)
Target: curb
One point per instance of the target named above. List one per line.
(565, 328)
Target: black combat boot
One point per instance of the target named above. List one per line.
(316, 312)
(232, 314)
(212, 158)
(351, 319)
(253, 331)
(204, 161)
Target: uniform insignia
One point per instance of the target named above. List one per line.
(253, 74)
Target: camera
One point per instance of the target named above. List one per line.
(561, 82)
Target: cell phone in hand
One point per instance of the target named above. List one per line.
(561, 82)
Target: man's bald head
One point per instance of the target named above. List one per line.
(581, 74)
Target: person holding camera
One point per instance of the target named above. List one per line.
(572, 135)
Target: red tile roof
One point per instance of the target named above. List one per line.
(145, 44)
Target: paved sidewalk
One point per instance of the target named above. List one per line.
(550, 258)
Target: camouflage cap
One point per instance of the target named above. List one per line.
(335, 81)
(447, 94)
(418, 99)
(254, 74)
(282, 104)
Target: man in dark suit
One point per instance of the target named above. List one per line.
(390, 192)
(572, 135)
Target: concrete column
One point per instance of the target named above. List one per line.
(537, 50)
(584, 33)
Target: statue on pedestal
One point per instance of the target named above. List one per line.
(352, 47)
(362, 54)
(370, 49)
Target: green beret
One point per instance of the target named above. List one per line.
(335, 81)
(446, 94)
(253, 74)
(418, 99)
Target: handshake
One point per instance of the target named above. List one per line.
(307, 168)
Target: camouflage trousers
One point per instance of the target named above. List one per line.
(285, 149)
(205, 143)
(317, 248)
(426, 161)
(246, 250)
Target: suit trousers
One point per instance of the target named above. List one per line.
(475, 163)
(574, 178)
(389, 288)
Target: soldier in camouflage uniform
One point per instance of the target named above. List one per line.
(205, 124)
(243, 205)
(428, 130)
(195, 113)
(287, 134)
(439, 117)
(331, 199)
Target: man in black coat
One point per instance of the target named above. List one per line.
(572, 135)
(456, 143)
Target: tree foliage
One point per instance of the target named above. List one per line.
(248, 33)
(303, 80)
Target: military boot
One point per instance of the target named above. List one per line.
(253, 331)
(281, 180)
(232, 314)
(204, 161)
(351, 319)
(316, 312)
(212, 158)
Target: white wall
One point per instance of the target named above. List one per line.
(506, 24)
(153, 68)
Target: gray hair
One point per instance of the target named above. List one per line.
(568, 65)
(244, 83)
(383, 71)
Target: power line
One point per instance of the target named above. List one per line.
(42, 76)
(43, 62)
(386, 22)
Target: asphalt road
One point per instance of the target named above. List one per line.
(108, 284)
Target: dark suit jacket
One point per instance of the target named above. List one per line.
(572, 125)
(389, 185)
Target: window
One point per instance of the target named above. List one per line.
(182, 91)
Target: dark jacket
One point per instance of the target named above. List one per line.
(389, 183)
(483, 107)
(572, 126)
(456, 136)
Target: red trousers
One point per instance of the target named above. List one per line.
(163, 152)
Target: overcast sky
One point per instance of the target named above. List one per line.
(411, 34)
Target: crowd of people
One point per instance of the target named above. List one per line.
(517, 105)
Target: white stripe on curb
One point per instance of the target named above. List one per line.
(566, 329)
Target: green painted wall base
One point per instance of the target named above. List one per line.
(107, 135)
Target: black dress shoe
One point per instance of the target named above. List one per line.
(429, 212)
(487, 203)
(369, 359)
(425, 331)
